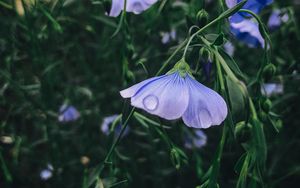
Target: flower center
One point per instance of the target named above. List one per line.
(182, 67)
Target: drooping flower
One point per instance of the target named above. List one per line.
(276, 19)
(108, 121)
(196, 140)
(248, 32)
(242, 26)
(68, 113)
(253, 5)
(134, 6)
(269, 89)
(207, 68)
(177, 94)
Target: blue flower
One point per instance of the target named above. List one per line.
(46, 173)
(135, 6)
(176, 95)
(276, 19)
(244, 28)
(207, 68)
(229, 48)
(68, 113)
(196, 140)
(253, 5)
(107, 122)
(269, 89)
(168, 36)
(248, 32)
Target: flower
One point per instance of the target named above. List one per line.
(276, 19)
(135, 6)
(269, 89)
(68, 113)
(244, 28)
(207, 68)
(196, 140)
(177, 94)
(168, 36)
(107, 122)
(47, 173)
(248, 32)
(253, 5)
(229, 48)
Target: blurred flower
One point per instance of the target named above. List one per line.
(177, 94)
(68, 113)
(47, 173)
(207, 68)
(269, 89)
(248, 32)
(168, 36)
(242, 26)
(135, 6)
(276, 19)
(21, 4)
(253, 5)
(107, 122)
(85, 160)
(6, 139)
(229, 48)
(196, 140)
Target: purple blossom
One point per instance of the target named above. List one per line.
(276, 19)
(269, 89)
(248, 32)
(108, 121)
(207, 65)
(134, 6)
(253, 5)
(176, 95)
(168, 36)
(229, 48)
(46, 173)
(68, 113)
(196, 140)
(244, 28)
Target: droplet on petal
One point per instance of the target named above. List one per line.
(150, 102)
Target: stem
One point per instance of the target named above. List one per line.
(252, 108)
(112, 148)
(165, 64)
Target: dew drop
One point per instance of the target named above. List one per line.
(150, 102)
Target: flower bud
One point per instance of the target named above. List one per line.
(266, 105)
(269, 71)
(202, 17)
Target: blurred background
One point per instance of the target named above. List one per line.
(63, 63)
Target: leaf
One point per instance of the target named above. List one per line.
(219, 40)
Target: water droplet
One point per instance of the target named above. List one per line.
(150, 102)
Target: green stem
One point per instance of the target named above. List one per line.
(112, 148)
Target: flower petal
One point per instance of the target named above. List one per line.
(206, 107)
(130, 92)
(116, 8)
(247, 31)
(166, 97)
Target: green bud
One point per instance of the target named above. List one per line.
(266, 106)
(269, 71)
(202, 17)
(263, 116)
(205, 54)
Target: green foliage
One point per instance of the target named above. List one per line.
(55, 52)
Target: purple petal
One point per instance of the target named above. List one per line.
(68, 113)
(165, 96)
(116, 8)
(206, 107)
(131, 91)
(248, 32)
